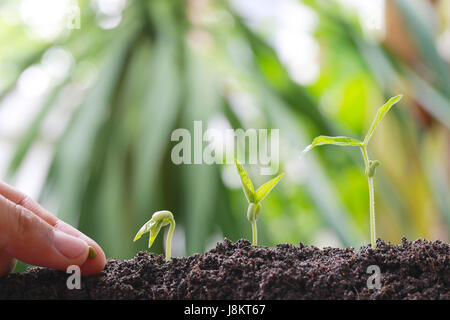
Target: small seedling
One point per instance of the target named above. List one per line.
(158, 220)
(92, 253)
(254, 198)
(370, 165)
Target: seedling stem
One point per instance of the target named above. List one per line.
(371, 196)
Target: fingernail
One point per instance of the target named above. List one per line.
(69, 246)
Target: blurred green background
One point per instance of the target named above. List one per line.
(91, 90)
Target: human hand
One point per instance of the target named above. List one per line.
(31, 234)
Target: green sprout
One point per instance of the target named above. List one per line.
(254, 198)
(159, 220)
(370, 165)
(91, 253)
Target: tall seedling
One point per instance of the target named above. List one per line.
(370, 165)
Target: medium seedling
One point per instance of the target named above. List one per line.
(158, 220)
(254, 198)
(370, 165)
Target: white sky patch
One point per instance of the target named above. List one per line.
(288, 25)
(34, 81)
(242, 103)
(370, 13)
(109, 22)
(295, 168)
(230, 177)
(222, 141)
(244, 106)
(295, 43)
(443, 45)
(46, 19)
(10, 13)
(303, 68)
(20, 107)
(111, 7)
(16, 113)
(7, 148)
(57, 120)
(57, 63)
(32, 174)
(109, 12)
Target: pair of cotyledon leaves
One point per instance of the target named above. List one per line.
(346, 141)
(255, 196)
(154, 225)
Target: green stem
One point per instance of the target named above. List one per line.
(255, 233)
(169, 241)
(371, 198)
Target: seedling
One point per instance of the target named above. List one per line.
(158, 220)
(370, 165)
(254, 198)
(91, 252)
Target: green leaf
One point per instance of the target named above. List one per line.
(154, 230)
(144, 229)
(264, 190)
(159, 219)
(339, 141)
(380, 115)
(247, 184)
(151, 226)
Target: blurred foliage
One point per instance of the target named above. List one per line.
(163, 67)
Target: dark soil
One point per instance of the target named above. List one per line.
(411, 270)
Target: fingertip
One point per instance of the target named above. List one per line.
(90, 266)
(96, 264)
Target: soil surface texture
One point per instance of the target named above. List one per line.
(410, 270)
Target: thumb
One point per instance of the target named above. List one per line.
(27, 237)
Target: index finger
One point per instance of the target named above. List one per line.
(91, 266)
